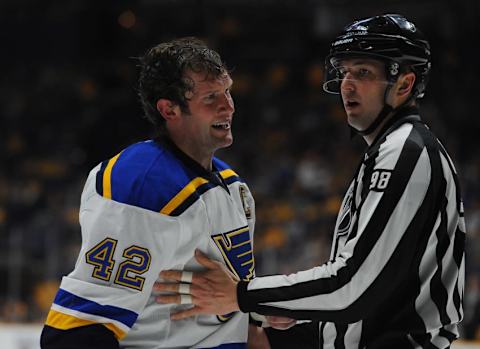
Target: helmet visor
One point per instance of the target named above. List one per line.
(338, 72)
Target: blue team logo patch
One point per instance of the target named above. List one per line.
(236, 249)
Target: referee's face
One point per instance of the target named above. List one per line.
(362, 87)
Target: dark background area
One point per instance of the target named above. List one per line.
(68, 101)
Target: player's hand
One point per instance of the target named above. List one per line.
(280, 322)
(211, 292)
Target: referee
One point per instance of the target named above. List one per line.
(395, 278)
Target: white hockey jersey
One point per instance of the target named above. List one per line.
(146, 210)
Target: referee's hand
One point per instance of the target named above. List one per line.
(211, 292)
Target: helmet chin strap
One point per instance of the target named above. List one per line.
(387, 109)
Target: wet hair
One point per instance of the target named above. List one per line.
(162, 75)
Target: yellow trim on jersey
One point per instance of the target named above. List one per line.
(63, 321)
(228, 173)
(107, 177)
(188, 190)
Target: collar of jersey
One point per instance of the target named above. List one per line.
(406, 114)
(212, 176)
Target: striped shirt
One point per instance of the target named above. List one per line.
(395, 278)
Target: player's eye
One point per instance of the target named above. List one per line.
(210, 97)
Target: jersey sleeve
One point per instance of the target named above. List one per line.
(123, 250)
(396, 211)
(90, 336)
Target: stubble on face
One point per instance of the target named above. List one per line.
(207, 124)
(363, 97)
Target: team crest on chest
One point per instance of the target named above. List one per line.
(243, 196)
(236, 249)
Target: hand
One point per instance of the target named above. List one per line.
(280, 322)
(212, 292)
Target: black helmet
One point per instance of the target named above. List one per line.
(390, 38)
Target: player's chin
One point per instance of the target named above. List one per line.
(225, 141)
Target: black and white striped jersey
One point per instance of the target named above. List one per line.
(396, 274)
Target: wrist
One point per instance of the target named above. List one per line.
(242, 289)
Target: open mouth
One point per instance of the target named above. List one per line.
(222, 125)
(351, 104)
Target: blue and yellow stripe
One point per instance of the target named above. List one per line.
(64, 321)
(68, 300)
(152, 177)
(107, 177)
(230, 176)
(192, 191)
(184, 194)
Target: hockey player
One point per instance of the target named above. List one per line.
(396, 274)
(149, 207)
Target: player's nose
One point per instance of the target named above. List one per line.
(227, 104)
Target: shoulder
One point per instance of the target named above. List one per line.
(144, 174)
(413, 136)
(409, 136)
(225, 170)
(405, 143)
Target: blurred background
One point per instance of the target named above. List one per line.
(68, 101)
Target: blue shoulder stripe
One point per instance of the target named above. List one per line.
(151, 176)
(144, 175)
(71, 301)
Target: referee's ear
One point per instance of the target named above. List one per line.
(169, 110)
(405, 84)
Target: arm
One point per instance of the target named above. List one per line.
(392, 217)
(92, 336)
(123, 249)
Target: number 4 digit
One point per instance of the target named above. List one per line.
(101, 257)
(137, 262)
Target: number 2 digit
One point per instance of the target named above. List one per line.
(138, 262)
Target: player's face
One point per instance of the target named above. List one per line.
(362, 88)
(208, 125)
